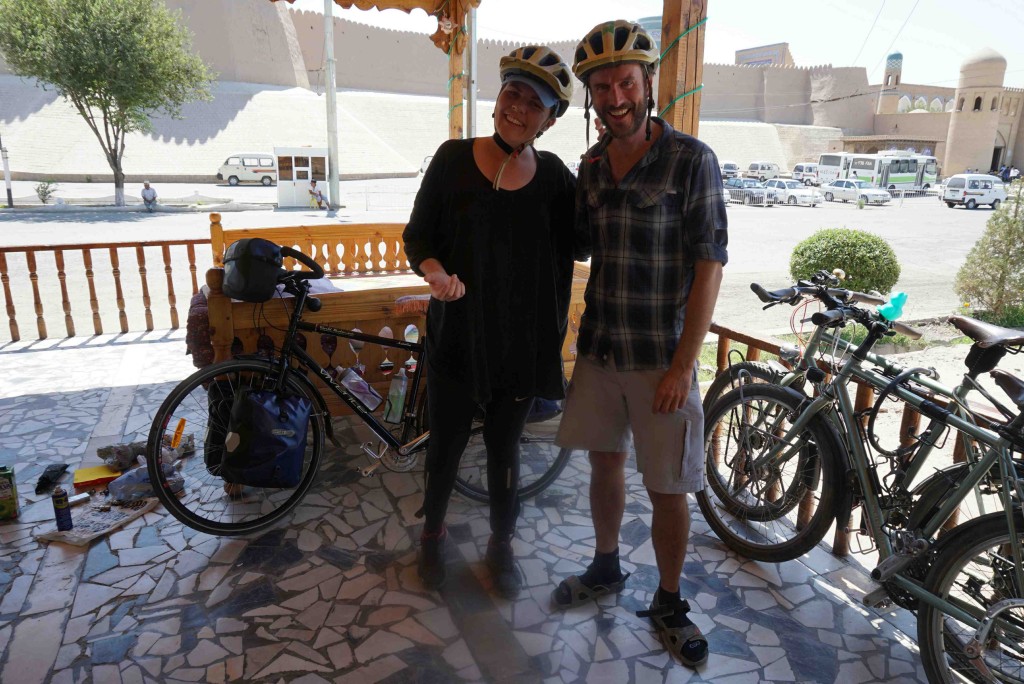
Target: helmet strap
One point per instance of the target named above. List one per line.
(650, 102)
(586, 112)
(508, 150)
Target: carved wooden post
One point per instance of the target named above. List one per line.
(118, 292)
(12, 315)
(722, 357)
(217, 240)
(37, 300)
(192, 267)
(140, 258)
(94, 302)
(62, 277)
(219, 312)
(171, 299)
(682, 68)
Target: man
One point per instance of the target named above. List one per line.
(1014, 174)
(148, 196)
(651, 199)
(314, 192)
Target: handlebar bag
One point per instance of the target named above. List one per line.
(251, 267)
(266, 441)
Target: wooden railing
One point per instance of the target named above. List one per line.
(910, 420)
(40, 276)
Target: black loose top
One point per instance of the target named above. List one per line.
(514, 250)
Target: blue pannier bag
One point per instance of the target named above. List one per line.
(266, 441)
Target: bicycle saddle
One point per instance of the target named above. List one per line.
(986, 334)
(1012, 385)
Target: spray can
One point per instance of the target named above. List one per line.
(62, 509)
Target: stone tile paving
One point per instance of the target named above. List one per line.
(331, 594)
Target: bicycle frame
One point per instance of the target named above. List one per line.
(835, 403)
(290, 350)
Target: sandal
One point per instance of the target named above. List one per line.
(677, 639)
(571, 592)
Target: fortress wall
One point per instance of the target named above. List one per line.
(842, 98)
(929, 92)
(923, 124)
(251, 42)
(805, 143)
(732, 92)
(787, 96)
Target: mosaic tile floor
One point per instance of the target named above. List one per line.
(331, 595)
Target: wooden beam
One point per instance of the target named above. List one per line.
(682, 69)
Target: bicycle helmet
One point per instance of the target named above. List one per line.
(540, 64)
(614, 42)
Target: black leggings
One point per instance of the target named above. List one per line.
(451, 417)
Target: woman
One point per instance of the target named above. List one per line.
(491, 233)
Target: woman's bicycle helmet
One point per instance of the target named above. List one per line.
(614, 42)
(540, 64)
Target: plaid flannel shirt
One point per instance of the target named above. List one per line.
(647, 232)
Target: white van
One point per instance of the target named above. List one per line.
(762, 170)
(972, 189)
(729, 169)
(806, 173)
(253, 167)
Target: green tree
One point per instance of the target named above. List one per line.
(868, 260)
(117, 61)
(992, 276)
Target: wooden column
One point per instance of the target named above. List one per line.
(682, 69)
(456, 111)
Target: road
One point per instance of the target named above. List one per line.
(929, 239)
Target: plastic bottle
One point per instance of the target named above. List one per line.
(360, 389)
(396, 397)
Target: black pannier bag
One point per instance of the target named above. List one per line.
(266, 441)
(251, 267)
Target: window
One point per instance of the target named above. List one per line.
(829, 160)
(250, 161)
(302, 162)
(956, 183)
(995, 103)
(912, 166)
(888, 79)
(284, 168)
(319, 168)
(864, 164)
(973, 185)
(977, 104)
(986, 185)
(266, 161)
(960, 105)
(233, 161)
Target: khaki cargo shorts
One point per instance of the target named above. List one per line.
(606, 409)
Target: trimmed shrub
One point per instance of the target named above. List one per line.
(868, 260)
(992, 277)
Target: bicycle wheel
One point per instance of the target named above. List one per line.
(746, 371)
(771, 513)
(540, 461)
(973, 570)
(196, 407)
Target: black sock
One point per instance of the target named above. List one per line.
(603, 570)
(672, 598)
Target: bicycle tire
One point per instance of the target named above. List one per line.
(970, 561)
(539, 462)
(768, 516)
(728, 379)
(205, 504)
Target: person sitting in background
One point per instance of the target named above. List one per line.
(148, 196)
(316, 194)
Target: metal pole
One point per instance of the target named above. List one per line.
(332, 108)
(7, 175)
(471, 68)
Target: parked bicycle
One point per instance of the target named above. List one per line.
(200, 404)
(782, 467)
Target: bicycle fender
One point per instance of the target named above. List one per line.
(933, 491)
(844, 503)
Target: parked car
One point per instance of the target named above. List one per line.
(847, 190)
(972, 189)
(730, 169)
(806, 173)
(249, 168)
(762, 170)
(749, 191)
(793, 192)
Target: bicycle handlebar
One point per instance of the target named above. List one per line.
(316, 270)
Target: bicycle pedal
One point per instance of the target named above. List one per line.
(878, 599)
(370, 469)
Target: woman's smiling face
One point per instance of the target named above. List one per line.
(519, 113)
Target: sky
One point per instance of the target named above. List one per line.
(934, 35)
